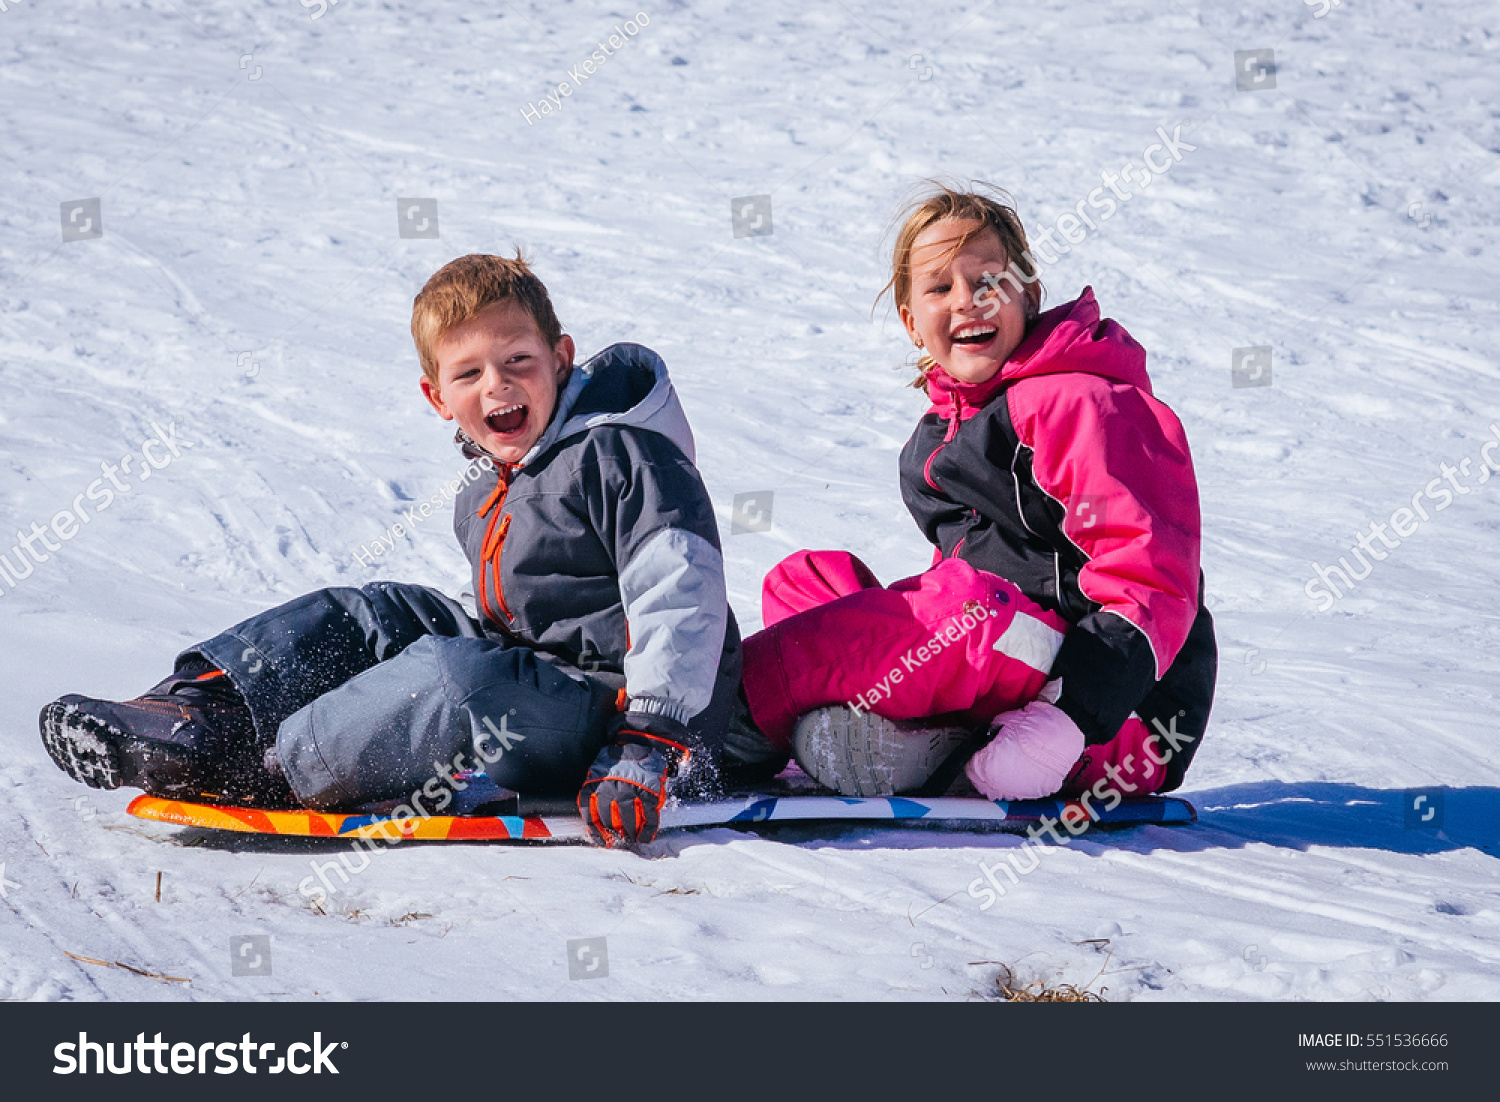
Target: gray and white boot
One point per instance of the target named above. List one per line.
(857, 753)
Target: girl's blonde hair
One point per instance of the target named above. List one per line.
(988, 209)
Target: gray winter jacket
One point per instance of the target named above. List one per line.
(600, 550)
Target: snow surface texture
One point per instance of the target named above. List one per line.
(251, 284)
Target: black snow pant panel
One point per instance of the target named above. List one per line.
(368, 693)
(1181, 700)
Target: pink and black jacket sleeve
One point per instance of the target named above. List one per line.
(1114, 463)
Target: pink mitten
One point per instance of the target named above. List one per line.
(1033, 751)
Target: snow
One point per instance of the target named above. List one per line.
(251, 285)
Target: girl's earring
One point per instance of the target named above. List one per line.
(920, 344)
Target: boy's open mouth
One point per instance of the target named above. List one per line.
(508, 421)
(974, 336)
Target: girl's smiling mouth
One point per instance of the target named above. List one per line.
(974, 336)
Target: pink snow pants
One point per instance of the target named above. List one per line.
(954, 642)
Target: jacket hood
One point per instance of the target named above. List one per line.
(626, 384)
(1067, 338)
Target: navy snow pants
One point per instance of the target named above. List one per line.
(370, 693)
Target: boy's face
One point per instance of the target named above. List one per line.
(498, 379)
(954, 313)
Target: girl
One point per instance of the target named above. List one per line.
(1063, 613)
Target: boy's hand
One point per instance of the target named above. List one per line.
(621, 800)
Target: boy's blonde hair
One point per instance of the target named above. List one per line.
(935, 201)
(463, 287)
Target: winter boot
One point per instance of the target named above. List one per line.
(188, 738)
(857, 753)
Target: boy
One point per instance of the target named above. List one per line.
(605, 659)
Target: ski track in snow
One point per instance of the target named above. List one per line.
(1344, 218)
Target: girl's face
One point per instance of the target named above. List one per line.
(966, 323)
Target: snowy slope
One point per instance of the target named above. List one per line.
(252, 285)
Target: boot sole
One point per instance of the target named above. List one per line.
(860, 754)
(82, 746)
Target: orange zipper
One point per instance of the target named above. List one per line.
(494, 543)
